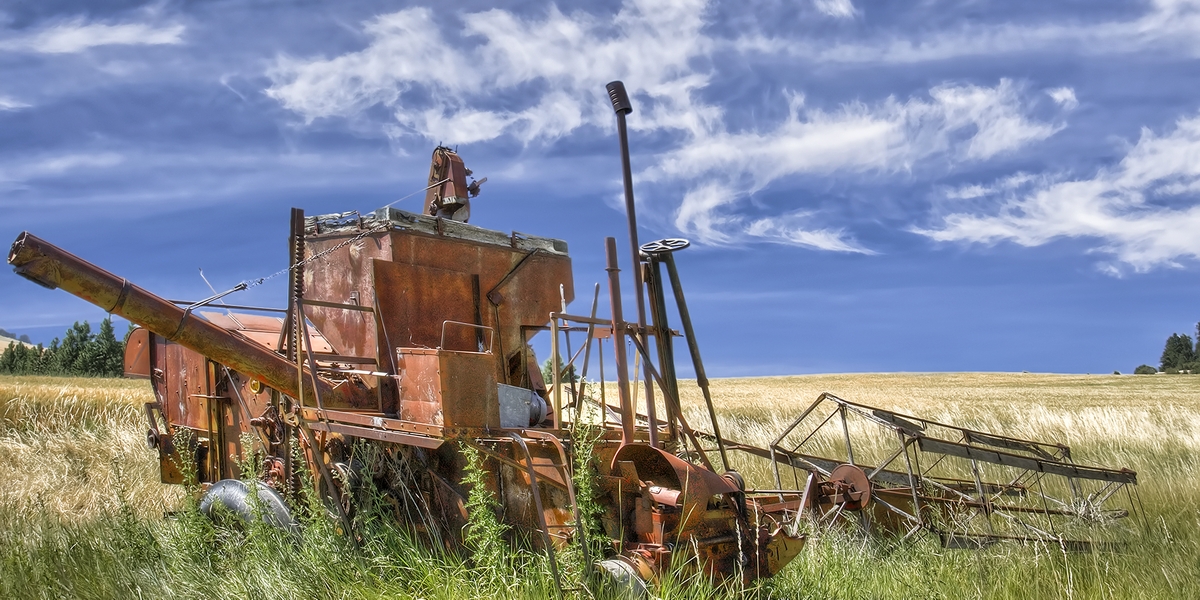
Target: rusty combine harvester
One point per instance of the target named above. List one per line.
(409, 334)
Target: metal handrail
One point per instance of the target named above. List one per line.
(491, 332)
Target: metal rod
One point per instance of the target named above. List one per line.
(587, 353)
(555, 377)
(912, 477)
(685, 320)
(662, 335)
(295, 291)
(622, 107)
(570, 364)
(618, 325)
(233, 306)
(846, 433)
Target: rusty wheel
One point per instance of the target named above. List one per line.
(852, 485)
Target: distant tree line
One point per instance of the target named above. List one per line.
(1180, 355)
(81, 353)
(9, 334)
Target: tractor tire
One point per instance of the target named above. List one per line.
(235, 497)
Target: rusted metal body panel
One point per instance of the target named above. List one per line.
(344, 277)
(448, 389)
(420, 300)
(432, 283)
(137, 355)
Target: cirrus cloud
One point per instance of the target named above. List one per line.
(1143, 211)
(540, 78)
(77, 35)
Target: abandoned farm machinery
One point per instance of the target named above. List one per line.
(409, 334)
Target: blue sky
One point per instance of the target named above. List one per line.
(921, 186)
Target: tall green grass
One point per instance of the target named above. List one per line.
(82, 516)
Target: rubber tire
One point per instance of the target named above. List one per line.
(234, 495)
(621, 578)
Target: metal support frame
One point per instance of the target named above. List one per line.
(973, 508)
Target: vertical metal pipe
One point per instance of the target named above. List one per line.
(556, 397)
(587, 355)
(618, 338)
(666, 351)
(621, 105)
(685, 319)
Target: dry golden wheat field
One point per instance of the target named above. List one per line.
(77, 484)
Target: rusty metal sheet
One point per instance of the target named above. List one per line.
(523, 296)
(448, 389)
(183, 385)
(345, 276)
(137, 354)
(416, 301)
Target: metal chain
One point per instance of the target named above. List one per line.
(247, 284)
(256, 282)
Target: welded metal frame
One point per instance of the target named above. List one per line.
(970, 509)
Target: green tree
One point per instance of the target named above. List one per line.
(21, 359)
(50, 360)
(1177, 352)
(67, 358)
(41, 364)
(8, 359)
(81, 353)
(568, 376)
(1145, 370)
(102, 355)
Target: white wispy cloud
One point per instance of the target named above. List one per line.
(557, 64)
(548, 72)
(1144, 211)
(16, 173)
(1164, 24)
(78, 35)
(1064, 97)
(975, 190)
(842, 9)
(7, 103)
(962, 122)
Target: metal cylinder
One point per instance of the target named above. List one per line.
(52, 267)
(618, 97)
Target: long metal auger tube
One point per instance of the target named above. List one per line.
(52, 267)
(621, 105)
